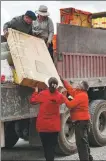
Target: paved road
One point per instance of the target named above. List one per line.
(25, 153)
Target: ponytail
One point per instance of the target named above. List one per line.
(52, 87)
(53, 84)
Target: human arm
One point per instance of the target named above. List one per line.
(51, 31)
(9, 24)
(36, 30)
(73, 103)
(36, 97)
(69, 88)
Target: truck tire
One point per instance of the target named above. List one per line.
(11, 137)
(97, 135)
(66, 139)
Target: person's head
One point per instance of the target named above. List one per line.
(42, 12)
(83, 85)
(52, 84)
(29, 17)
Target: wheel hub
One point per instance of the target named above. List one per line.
(102, 123)
(69, 131)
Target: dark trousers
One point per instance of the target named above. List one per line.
(81, 134)
(49, 141)
(50, 48)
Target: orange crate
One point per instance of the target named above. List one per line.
(54, 42)
(75, 17)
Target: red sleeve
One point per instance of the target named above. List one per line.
(36, 98)
(62, 99)
(73, 103)
(69, 88)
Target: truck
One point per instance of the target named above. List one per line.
(80, 55)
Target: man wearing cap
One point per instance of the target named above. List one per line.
(79, 111)
(21, 23)
(43, 27)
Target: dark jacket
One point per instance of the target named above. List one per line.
(48, 119)
(19, 24)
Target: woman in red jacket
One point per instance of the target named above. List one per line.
(48, 120)
(80, 116)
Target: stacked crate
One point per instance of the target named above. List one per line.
(75, 17)
(99, 20)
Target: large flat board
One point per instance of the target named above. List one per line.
(31, 58)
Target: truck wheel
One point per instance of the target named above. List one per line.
(66, 140)
(11, 137)
(97, 135)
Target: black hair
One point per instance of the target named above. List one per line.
(53, 83)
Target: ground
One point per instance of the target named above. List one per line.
(23, 152)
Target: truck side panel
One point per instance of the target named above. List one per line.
(75, 66)
(15, 103)
(76, 39)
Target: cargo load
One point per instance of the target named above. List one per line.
(75, 17)
(54, 42)
(31, 59)
(99, 20)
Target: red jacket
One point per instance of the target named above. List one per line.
(48, 119)
(79, 105)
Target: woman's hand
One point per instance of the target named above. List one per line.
(36, 89)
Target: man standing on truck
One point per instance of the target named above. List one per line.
(21, 23)
(80, 117)
(43, 28)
